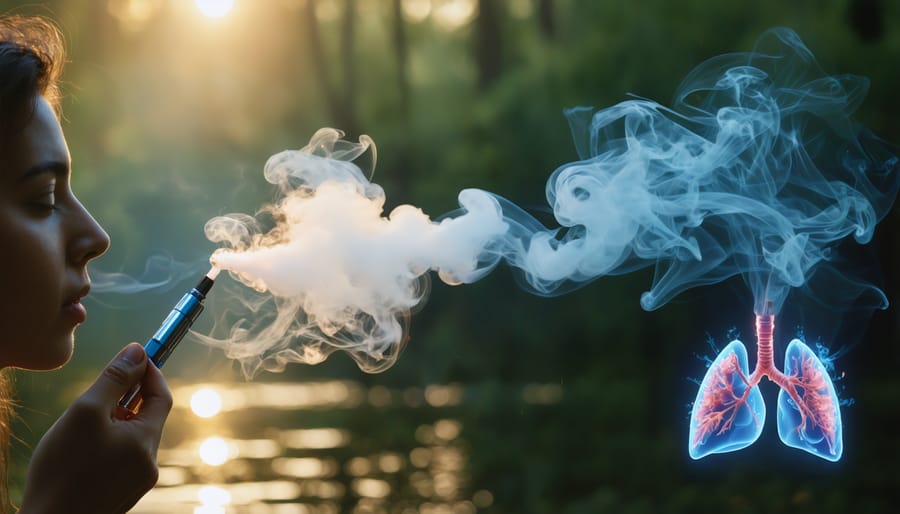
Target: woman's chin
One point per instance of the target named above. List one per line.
(39, 350)
(54, 356)
(64, 353)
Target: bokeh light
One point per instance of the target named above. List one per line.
(214, 451)
(214, 8)
(213, 500)
(206, 402)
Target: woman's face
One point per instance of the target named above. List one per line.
(48, 238)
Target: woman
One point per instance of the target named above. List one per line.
(89, 461)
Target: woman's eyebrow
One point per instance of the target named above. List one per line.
(59, 168)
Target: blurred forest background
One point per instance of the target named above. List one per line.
(170, 116)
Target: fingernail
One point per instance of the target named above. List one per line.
(133, 354)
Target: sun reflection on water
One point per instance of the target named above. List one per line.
(305, 467)
(212, 499)
(215, 451)
(371, 487)
(206, 402)
(288, 396)
(267, 448)
(209, 509)
(315, 438)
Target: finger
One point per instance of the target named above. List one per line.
(120, 375)
(157, 399)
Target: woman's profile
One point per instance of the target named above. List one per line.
(89, 461)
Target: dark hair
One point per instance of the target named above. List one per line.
(31, 60)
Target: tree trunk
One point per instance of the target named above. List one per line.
(546, 19)
(488, 43)
(401, 54)
(340, 97)
(348, 36)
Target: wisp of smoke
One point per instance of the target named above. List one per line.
(755, 170)
(161, 273)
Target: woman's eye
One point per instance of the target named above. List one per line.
(46, 201)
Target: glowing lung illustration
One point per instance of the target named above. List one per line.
(728, 414)
(810, 418)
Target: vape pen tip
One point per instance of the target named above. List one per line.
(213, 272)
(205, 284)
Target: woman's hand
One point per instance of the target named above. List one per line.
(92, 462)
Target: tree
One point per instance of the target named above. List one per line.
(488, 43)
(340, 96)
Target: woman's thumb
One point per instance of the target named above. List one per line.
(124, 371)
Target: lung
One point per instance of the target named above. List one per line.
(811, 420)
(728, 414)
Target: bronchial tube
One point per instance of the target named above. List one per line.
(765, 326)
(160, 347)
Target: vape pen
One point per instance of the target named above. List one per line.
(169, 334)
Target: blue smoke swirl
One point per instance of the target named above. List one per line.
(756, 170)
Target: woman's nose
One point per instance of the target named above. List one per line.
(88, 239)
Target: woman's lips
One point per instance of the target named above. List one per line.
(77, 311)
(73, 306)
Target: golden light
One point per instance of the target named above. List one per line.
(214, 451)
(390, 462)
(371, 487)
(206, 402)
(209, 509)
(213, 500)
(315, 438)
(214, 8)
(305, 467)
(416, 11)
(454, 14)
(133, 15)
(447, 429)
(212, 495)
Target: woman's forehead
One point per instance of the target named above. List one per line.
(40, 141)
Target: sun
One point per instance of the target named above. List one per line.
(215, 8)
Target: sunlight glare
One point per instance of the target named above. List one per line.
(133, 15)
(213, 500)
(305, 467)
(214, 8)
(450, 15)
(209, 509)
(214, 451)
(315, 438)
(415, 11)
(212, 495)
(206, 402)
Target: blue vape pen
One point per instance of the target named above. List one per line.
(169, 334)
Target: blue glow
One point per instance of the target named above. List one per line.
(821, 432)
(756, 170)
(717, 403)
